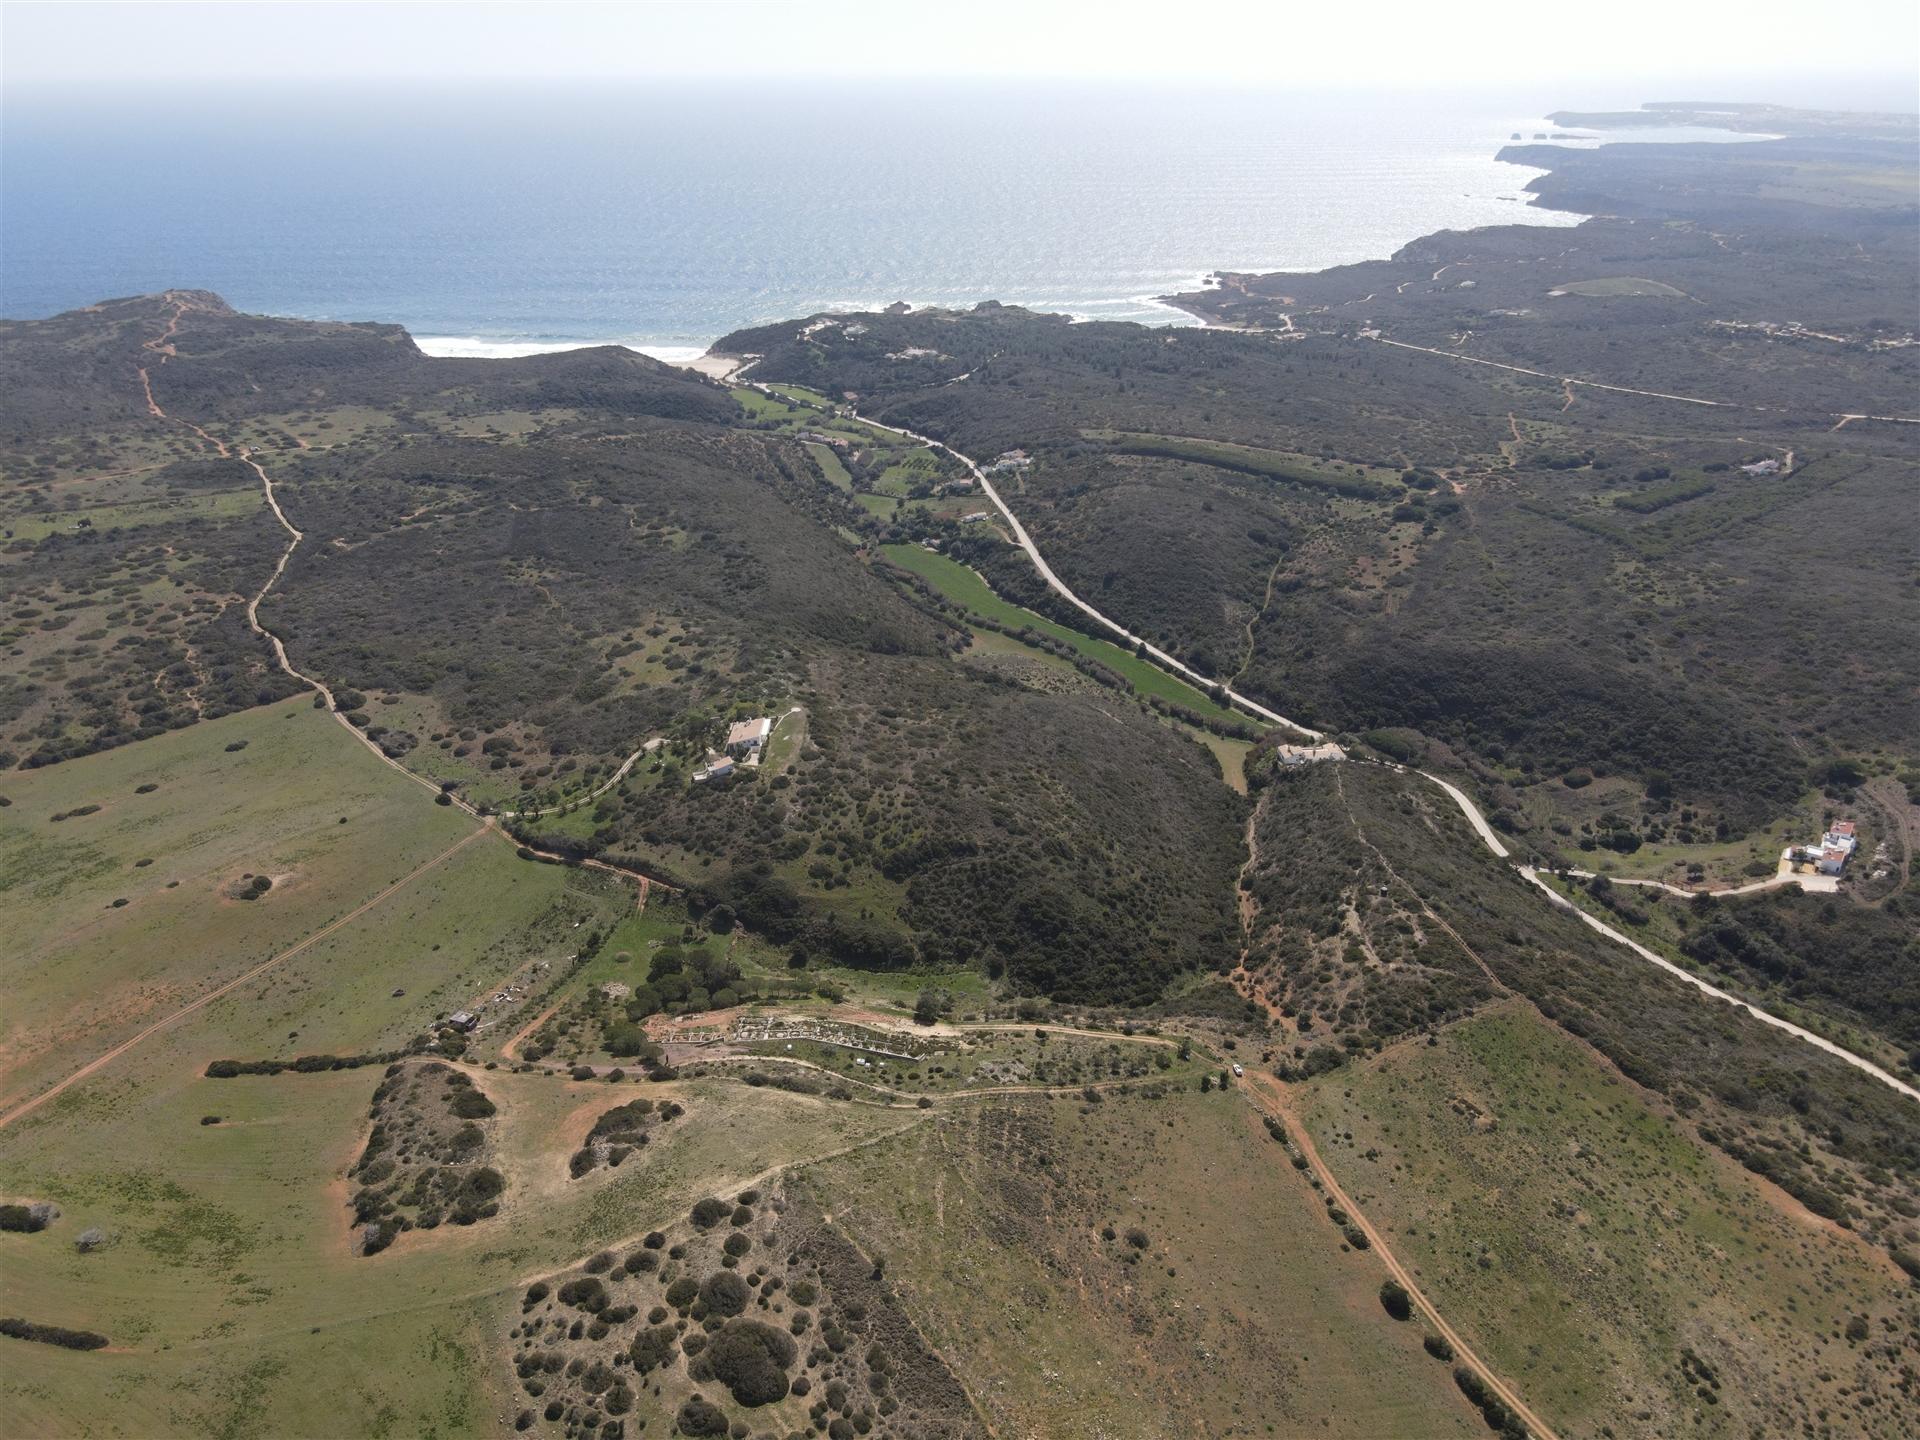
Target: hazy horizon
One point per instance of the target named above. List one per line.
(1704, 52)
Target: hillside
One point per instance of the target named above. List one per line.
(566, 897)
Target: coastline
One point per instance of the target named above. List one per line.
(1181, 307)
(1154, 310)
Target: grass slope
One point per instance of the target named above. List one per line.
(300, 803)
(1240, 1315)
(1588, 1242)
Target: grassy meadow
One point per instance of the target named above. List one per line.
(120, 915)
(964, 587)
(228, 1285)
(1586, 1242)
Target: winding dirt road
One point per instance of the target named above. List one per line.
(162, 345)
(1478, 821)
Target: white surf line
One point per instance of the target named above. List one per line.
(1765, 1018)
(1060, 586)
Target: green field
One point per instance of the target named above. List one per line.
(802, 394)
(302, 803)
(168, 510)
(829, 462)
(227, 1285)
(1362, 482)
(964, 587)
(1621, 286)
(1552, 1212)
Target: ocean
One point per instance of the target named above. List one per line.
(512, 221)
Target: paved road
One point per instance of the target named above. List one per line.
(1471, 811)
(1061, 588)
(1866, 1067)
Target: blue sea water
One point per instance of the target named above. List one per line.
(515, 219)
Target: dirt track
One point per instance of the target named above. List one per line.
(1270, 1096)
(28, 1106)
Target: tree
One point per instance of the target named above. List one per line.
(1395, 1300)
(926, 1009)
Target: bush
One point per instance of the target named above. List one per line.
(724, 1293)
(1395, 1300)
(709, 1212)
(470, 1104)
(52, 1334)
(20, 1218)
(701, 1417)
(751, 1360)
(652, 1348)
(586, 1293)
(1439, 1347)
(737, 1244)
(681, 1292)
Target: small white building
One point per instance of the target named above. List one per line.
(718, 768)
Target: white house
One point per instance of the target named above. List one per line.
(1836, 848)
(747, 736)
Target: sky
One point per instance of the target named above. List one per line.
(1831, 52)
